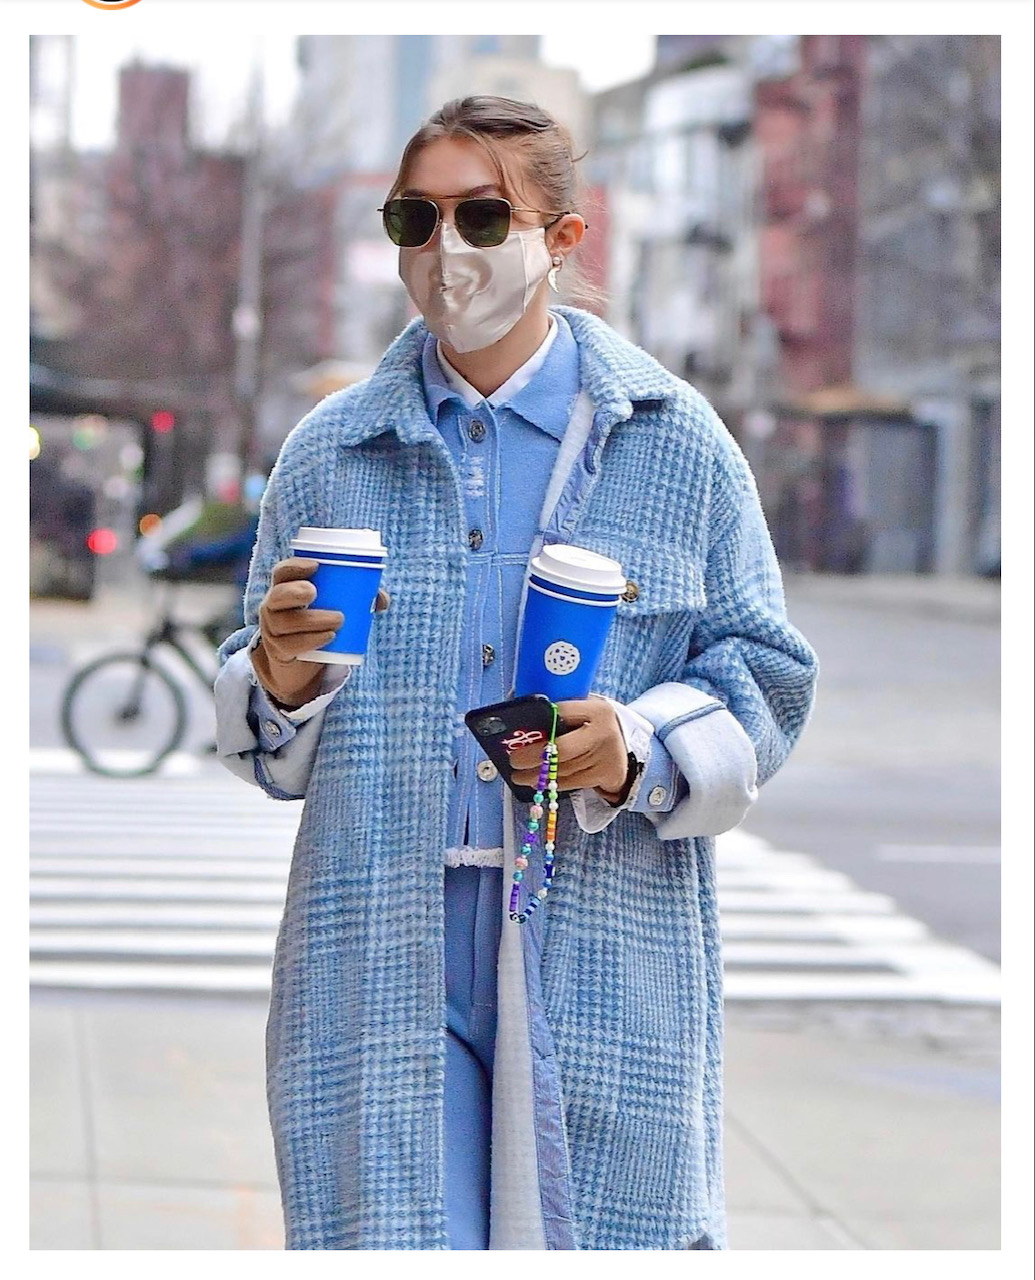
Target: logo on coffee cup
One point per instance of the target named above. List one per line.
(112, 4)
(561, 658)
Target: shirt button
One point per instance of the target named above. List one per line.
(476, 430)
(272, 728)
(486, 770)
(657, 795)
(488, 655)
(475, 539)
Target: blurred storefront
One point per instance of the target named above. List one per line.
(848, 482)
(84, 481)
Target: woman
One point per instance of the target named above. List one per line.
(441, 1077)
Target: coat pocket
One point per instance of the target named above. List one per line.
(660, 582)
(653, 622)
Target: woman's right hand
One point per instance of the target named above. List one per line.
(288, 627)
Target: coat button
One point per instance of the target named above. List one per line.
(631, 592)
(657, 795)
(476, 430)
(486, 770)
(488, 655)
(475, 539)
(272, 728)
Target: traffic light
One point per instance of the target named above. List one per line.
(162, 422)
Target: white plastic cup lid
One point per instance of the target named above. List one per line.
(576, 567)
(361, 541)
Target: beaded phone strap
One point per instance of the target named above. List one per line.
(547, 783)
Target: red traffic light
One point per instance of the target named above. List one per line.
(102, 542)
(162, 421)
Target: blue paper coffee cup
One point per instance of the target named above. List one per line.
(351, 562)
(569, 607)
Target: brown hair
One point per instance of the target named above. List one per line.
(526, 146)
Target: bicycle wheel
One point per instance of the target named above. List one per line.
(123, 714)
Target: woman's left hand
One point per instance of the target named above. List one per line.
(592, 755)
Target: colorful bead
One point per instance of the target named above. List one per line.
(547, 787)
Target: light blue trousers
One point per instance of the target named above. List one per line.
(473, 908)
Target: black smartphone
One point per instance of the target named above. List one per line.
(504, 726)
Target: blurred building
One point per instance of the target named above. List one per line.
(361, 97)
(56, 193)
(810, 439)
(136, 266)
(806, 228)
(927, 323)
(675, 153)
(806, 127)
(514, 74)
(878, 265)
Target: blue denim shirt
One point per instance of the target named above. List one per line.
(505, 444)
(504, 448)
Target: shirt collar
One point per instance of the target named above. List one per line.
(541, 391)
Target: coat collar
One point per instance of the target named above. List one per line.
(615, 373)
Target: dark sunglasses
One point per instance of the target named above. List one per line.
(483, 222)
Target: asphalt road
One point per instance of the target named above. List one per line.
(896, 780)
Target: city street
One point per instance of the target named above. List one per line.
(608, 247)
(895, 782)
(860, 920)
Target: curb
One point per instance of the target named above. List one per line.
(966, 599)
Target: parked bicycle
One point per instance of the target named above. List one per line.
(124, 713)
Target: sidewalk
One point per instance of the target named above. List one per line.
(846, 1127)
(966, 599)
(149, 1128)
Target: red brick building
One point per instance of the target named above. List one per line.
(151, 272)
(807, 134)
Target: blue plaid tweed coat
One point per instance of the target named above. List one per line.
(622, 966)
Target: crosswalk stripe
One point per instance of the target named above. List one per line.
(178, 883)
(260, 849)
(114, 915)
(131, 889)
(101, 867)
(60, 760)
(133, 943)
(245, 979)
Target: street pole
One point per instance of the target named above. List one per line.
(247, 318)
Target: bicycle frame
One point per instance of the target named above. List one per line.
(168, 632)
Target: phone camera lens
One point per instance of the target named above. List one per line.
(491, 724)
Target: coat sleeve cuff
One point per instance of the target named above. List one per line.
(711, 751)
(276, 725)
(661, 786)
(259, 741)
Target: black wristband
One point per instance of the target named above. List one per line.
(632, 773)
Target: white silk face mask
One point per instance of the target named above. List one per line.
(470, 297)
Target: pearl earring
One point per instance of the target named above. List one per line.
(558, 262)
